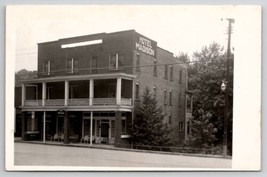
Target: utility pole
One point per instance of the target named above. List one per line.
(225, 130)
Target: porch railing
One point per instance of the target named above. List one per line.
(104, 101)
(54, 102)
(78, 102)
(33, 102)
(126, 101)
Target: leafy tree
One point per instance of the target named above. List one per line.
(205, 78)
(203, 129)
(183, 57)
(149, 128)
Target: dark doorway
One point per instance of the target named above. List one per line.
(104, 130)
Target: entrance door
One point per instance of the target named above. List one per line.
(104, 132)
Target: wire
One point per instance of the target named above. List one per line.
(139, 66)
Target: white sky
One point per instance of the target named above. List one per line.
(175, 28)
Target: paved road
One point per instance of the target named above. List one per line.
(49, 155)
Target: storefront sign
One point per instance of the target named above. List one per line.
(61, 112)
(145, 45)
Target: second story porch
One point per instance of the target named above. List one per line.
(79, 91)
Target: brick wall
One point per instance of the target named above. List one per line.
(113, 43)
(146, 78)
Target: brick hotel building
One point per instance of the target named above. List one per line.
(87, 86)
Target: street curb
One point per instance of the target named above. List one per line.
(128, 150)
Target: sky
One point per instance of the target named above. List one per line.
(175, 28)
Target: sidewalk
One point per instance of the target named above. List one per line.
(112, 147)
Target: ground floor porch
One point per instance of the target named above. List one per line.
(85, 127)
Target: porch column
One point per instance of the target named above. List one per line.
(91, 129)
(117, 128)
(44, 126)
(43, 93)
(118, 91)
(23, 126)
(22, 94)
(66, 128)
(133, 91)
(91, 92)
(66, 93)
(33, 121)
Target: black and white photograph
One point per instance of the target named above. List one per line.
(132, 88)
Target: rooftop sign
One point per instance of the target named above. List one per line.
(145, 45)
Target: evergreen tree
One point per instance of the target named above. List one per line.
(149, 128)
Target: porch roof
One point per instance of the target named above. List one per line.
(81, 77)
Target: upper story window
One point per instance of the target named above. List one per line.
(116, 61)
(181, 126)
(180, 76)
(170, 119)
(94, 65)
(188, 103)
(155, 92)
(180, 99)
(170, 101)
(137, 91)
(137, 62)
(47, 66)
(165, 96)
(155, 67)
(166, 72)
(72, 65)
(171, 72)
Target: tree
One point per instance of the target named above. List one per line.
(183, 57)
(205, 78)
(149, 128)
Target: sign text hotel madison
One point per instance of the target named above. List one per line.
(145, 45)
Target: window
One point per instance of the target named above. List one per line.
(94, 65)
(181, 126)
(112, 62)
(180, 99)
(180, 76)
(116, 61)
(155, 92)
(170, 101)
(137, 62)
(166, 72)
(171, 73)
(123, 126)
(188, 103)
(170, 119)
(155, 67)
(137, 91)
(46, 68)
(188, 128)
(72, 66)
(165, 96)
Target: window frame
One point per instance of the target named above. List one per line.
(180, 76)
(165, 97)
(73, 67)
(170, 98)
(138, 62)
(170, 119)
(171, 72)
(47, 68)
(181, 126)
(117, 62)
(137, 91)
(155, 71)
(166, 72)
(93, 69)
